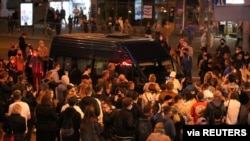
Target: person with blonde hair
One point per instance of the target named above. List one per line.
(43, 51)
(152, 80)
(158, 134)
(25, 110)
(15, 123)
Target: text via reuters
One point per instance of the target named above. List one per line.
(197, 132)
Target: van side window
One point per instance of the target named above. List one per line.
(67, 63)
(168, 66)
(82, 63)
(60, 60)
(100, 66)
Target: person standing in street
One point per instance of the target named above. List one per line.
(117, 26)
(127, 27)
(157, 28)
(10, 25)
(76, 12)
(166, 31)
(239, 34)
(23, 44)
(36, 64)
(120, 21)
(148, 30)
(15, 18)
(43, 51)
(58, 24)
(16, 119)
(62, 15)
(70, 20)
(207, 39)
(110, 24)
(190, 33)
(92, 23)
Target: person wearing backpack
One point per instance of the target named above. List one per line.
(144, 126)
(215, 110)
(69, 122)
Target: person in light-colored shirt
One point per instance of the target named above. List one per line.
(25, 111)
(176, 82)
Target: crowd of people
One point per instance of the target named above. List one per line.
(36, 97)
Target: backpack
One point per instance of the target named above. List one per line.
(217, 114)
(67, 128)
(144, 129)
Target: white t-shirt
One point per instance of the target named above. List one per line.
(25, 111)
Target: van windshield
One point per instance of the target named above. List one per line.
(161, 69)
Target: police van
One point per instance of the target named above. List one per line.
(136, 57)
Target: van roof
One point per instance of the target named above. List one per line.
(106, 37)
(142, 49)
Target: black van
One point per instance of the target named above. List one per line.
(134, 56)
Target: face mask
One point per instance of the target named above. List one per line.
(170, 103)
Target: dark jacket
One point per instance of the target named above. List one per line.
(108, 121)
(209, 110)
(124, 123)
(5, 93)
(22, 44)
(46, 123)
(15, 124)
(90, 130)
(71, 113)
(169, 127)
(87, 100)
(12, 53)
(46, 118)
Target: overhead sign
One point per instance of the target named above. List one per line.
(147, 11)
